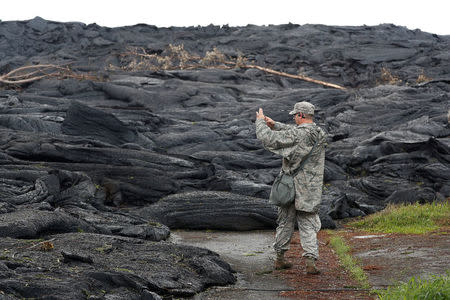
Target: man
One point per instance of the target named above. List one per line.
(306, 142)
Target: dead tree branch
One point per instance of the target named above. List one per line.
(36, 72)
(176, 57)
(301, 77)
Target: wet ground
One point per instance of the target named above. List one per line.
(251, 256)
(333, 283)
(390, 258)
(386, 259)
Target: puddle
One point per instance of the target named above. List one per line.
(422, 253)
(368, 236)
(249, 253)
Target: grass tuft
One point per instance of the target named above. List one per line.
(433, 288)
(348, 262)
(407, 219)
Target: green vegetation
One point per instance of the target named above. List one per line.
(434, 288)
(413, 218)
(153, 223)
(105, 248)
(406, 219)
(123, 270)
(347, 261)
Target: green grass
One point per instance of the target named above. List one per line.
(104, 248)
(347, 261)
(123, 270)
(408, 219)
(433, 288)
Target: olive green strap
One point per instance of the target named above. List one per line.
(304, 160)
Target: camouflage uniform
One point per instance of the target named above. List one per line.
(293, 143)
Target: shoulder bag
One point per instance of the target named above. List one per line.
(283, 188)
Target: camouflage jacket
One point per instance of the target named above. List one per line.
(293, 143)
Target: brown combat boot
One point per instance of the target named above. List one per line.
(281, 263)
(311, 266)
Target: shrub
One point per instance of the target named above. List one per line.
(423, 78)
(387, 77)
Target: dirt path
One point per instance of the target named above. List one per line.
(332, 283)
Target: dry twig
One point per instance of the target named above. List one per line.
(45, 243)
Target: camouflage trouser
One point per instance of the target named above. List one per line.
(308, 226)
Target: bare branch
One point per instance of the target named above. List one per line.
(40, 243)
(5, 81)
(178, 58)
(175, 57)
(27, 68)
(17, 77)
(36, 72)
(301, 77)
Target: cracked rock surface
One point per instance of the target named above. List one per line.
(114, 164)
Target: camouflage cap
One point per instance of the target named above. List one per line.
(303, 107)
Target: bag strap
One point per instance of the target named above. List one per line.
(305, 159)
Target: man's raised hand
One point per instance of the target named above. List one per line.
(260, 114)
